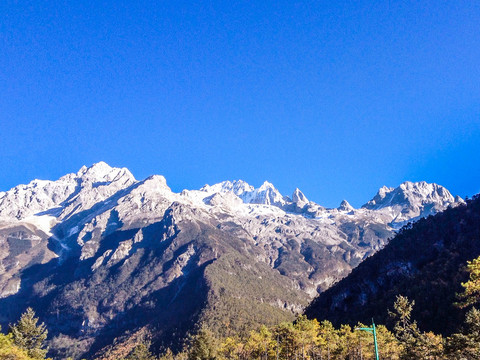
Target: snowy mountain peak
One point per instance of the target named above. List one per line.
(156, 182)
(410, 194)
(459, 200)
(299, 197)
(384, 190)
(102, 172)
(345, 206)
(37, 196)
(86, 187)
(266, 185)
(411, 200)
(103, 184)
(95, 169)
(238, 187)
(266, 194)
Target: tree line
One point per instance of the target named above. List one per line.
(303, 339)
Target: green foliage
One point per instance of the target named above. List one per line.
(306, 331)
(327, 339)
(29, 336)
(416, 345)
(260, 344)
(405, 330)
(231, 349)
(466, 345)
(228, 314)
(8, 350)
(307, 339)
(388, 345)
(203, 346)
(471, 293)
(141, 352)
(167, 355)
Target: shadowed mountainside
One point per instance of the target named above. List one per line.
(425, 262)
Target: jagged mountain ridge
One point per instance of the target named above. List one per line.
(49, 204)
(102, 226)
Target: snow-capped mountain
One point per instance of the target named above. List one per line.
(79, 203)
(266, 194)
(100, 234)
(345, 206)
(412, 200)
(59, 198)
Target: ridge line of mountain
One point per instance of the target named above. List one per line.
(101, 174)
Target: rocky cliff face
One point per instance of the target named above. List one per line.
(99, 253)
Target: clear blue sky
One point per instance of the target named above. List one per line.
(335, 97)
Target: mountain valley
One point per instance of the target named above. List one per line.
(103, 257)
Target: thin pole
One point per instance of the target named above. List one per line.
(375, 340)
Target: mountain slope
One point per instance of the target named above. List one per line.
(424, 262)
(98, 253)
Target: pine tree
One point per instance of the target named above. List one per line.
(167, 355)
(140, 352)
(466, 345)
(231, 349)
(307, 334)
(405, 328)
(288, 343)
(416, 345)
(29, 336)
(260, 344)
(328, 339)
(9, 351)
(389, 347)
(203, 346)
(471, 294)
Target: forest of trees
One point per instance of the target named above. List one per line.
(302, 339)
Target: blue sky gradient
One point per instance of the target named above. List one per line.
(336, 98)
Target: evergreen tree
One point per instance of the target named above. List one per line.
(388, 345)
(416, 345)
(430, 346)
(328, 340)
(471, 294)
(307, 333)
(231, 349)
(362, 343)
(29, 336)
(260, 344)
(344, 342)
(141, 352)
(405, 328)
(167, 355)
(203, 346)
(8, 350)
(288, 343)
(466, 345)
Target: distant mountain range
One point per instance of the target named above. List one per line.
(100, 254)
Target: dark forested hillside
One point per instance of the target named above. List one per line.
(425, 262)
